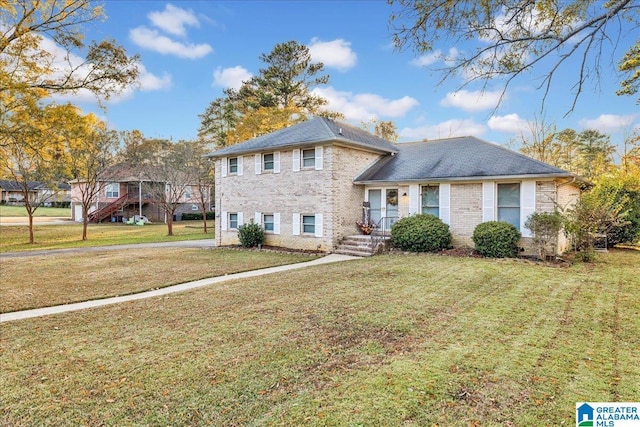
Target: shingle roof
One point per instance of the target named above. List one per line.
(455, 159)
(316, 130)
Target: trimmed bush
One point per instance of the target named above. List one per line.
(496, 239)
(251, 235)
(421, 233)
(197, 216)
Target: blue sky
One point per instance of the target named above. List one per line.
(191, 50)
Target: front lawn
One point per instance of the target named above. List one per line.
(16, 238)
(20, 211)
(43, 281)
(384, 341)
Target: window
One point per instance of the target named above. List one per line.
(187, 192)
(233, 221)
(233, 165)
(509, 204)
(267, 162)
(431, 200)
(194, 207)
(113, 190)
(268, 222)
(309, 158)
(308, 224)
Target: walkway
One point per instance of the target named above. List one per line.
(38, 312)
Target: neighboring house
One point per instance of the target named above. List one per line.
(124, 194)
(308, 184)
(39, 193)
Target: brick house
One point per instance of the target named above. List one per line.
(308, 184)
(124, 194)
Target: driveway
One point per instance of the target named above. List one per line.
(39, 220)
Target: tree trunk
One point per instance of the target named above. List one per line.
(204, 217)
(170, 224)
(85, 222)
(31, 241)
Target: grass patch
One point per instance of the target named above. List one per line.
(16, 238)
(43, 281)
(20, 211)
(388, 340)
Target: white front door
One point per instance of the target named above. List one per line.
(77, 213)
(383, 203)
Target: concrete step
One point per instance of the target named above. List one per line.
(352, 252)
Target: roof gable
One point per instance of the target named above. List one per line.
(455, 159)
(316, 130)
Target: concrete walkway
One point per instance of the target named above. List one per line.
(202, 243)
(38, 312)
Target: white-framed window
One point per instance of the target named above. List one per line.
(233, 166)
(309, 158)
(268, 223)
(113, 190)
(431, 200)
(187, 192)
(509, 203)
(309, 224)
(233, 221)
(194, 207)
(267, 162)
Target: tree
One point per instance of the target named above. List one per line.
(33, 153)
(91, 149)
(384, 129)
(205, 180)
(595, 151)
(29, 64)
(508, 38)
(169, 173)
(279, 96)
(539, 141)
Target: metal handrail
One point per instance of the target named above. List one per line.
(383, 226)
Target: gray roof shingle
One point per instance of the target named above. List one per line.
(313, 131)
(455, 159)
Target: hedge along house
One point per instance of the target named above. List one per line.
(308, 184)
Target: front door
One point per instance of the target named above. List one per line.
(383, 204)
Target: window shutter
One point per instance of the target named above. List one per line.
(240, 166)
(319, 157)
(296, 160)
(224, 166)
(257, 218)
(276, 223)
(276, 162)
(414, 196)
(258, 162)
(527, 204)
(296, 224)
(318, 225)
(445, 203)
(223, 223)
(240, 219)
(488, 201)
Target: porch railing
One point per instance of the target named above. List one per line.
(382, 231)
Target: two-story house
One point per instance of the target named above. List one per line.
(308, 184)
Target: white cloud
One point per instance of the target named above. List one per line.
(174, 19)
(334, 54)
(150, 82)
(472, 101)
(608, 122)
(447, 129)
(365, 106)
(153, 40)
(436, 56)
(230, 77)
(510, 123)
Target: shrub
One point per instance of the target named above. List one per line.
(545, 227)
(251, 235)
(197, 216)
(421, 233)
(496, 239)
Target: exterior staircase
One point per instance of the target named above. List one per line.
(108, 210)
(359, 245)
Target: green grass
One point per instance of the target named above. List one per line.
(43, 281)
(20, 211)
(389, 340)
(16, 238)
